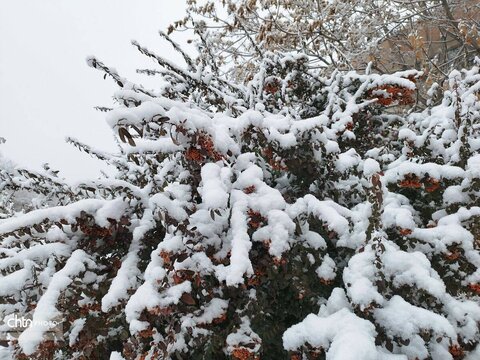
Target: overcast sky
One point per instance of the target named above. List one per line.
(47, 91)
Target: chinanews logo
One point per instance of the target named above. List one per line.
(13, 325)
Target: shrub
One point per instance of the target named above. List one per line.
(293, 217)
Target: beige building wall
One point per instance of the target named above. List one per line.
(447, 38)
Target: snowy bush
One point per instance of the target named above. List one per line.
(22, 190)
(293, 216)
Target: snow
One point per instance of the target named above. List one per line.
(370, 167)
(122, 116)
(111, 210)
(404, 320)
(213, 310)
(465, 314)
(358, 277)
(46, 309)
(454, 194)
(213, 190)
(279, 231)
(328, 211)
(412, 268)
(56, 213)
(473, 166)
(347, 160)
(327, 270)
(336, 302)
(148, 296)
(171, 206)
(77, 327)
(436, 171)
(407, 134)
(399, 267)
(398, 212)
(239, 260)
(37, 253)
(314, 240)
(126, 276)
(244, 335)
(344, 335)
(115, 355)
(14, 282)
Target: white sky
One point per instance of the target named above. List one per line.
(47, 91)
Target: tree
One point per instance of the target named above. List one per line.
(23, 190)
(435, 36)
(292, 216)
